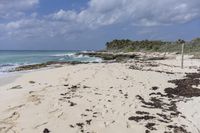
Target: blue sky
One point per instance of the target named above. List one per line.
(89, 24)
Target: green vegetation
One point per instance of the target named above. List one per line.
(152, 46)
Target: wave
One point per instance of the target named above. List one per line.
(6, 65)
(14, 62)
(10, 66)
(63, 55)
(99, 60)
(70, 56)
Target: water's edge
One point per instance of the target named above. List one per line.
(10, 60)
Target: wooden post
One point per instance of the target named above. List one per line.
(182, 53)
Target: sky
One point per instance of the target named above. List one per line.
(89, 24)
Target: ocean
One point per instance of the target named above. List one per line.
(12, 59)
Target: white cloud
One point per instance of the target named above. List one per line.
(97, 14)
(15, 8)
(138, 12)
(38, 28)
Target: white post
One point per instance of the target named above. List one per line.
(182, 58)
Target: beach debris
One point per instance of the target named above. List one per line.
(154, 88)
(134, 67)
(37, 126)
(84, 115)
(142, 113)
(185, 87)
(16, 87)
(66, 85)
(32, 82)
(120, 91)
(142, 66)
(147, 131)
(63, 94)
(88, 121)
(160, 94)
(72, 103)
(155, 103)
(167, 104)
(88, 110)
(178, 129)
(80, 125)
(139, 118)
(72, 126)
(165, 117)
(150, 126)
(46, 130)
(126, 95)
(84, 86)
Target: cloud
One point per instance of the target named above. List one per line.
(38, 28)
(97, 14)
(143, 12)
(15, 8)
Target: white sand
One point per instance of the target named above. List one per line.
(8, 78)
(99, 98)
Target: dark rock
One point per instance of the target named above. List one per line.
(43, 65)
(109, 56)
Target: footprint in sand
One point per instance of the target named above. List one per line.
(35, 99)
(15, 107)
(12, 118)
(7, 124)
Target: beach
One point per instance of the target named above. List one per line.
(99, 66)
(132, 96)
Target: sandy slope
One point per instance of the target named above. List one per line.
(95, 98)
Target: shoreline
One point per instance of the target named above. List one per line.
(8, 78)
(131, 96)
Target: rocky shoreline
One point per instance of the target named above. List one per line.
(110, 56)
(44, 65)
(107, 57)
(120, 56)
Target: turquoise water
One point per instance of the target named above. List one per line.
(11, 59)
